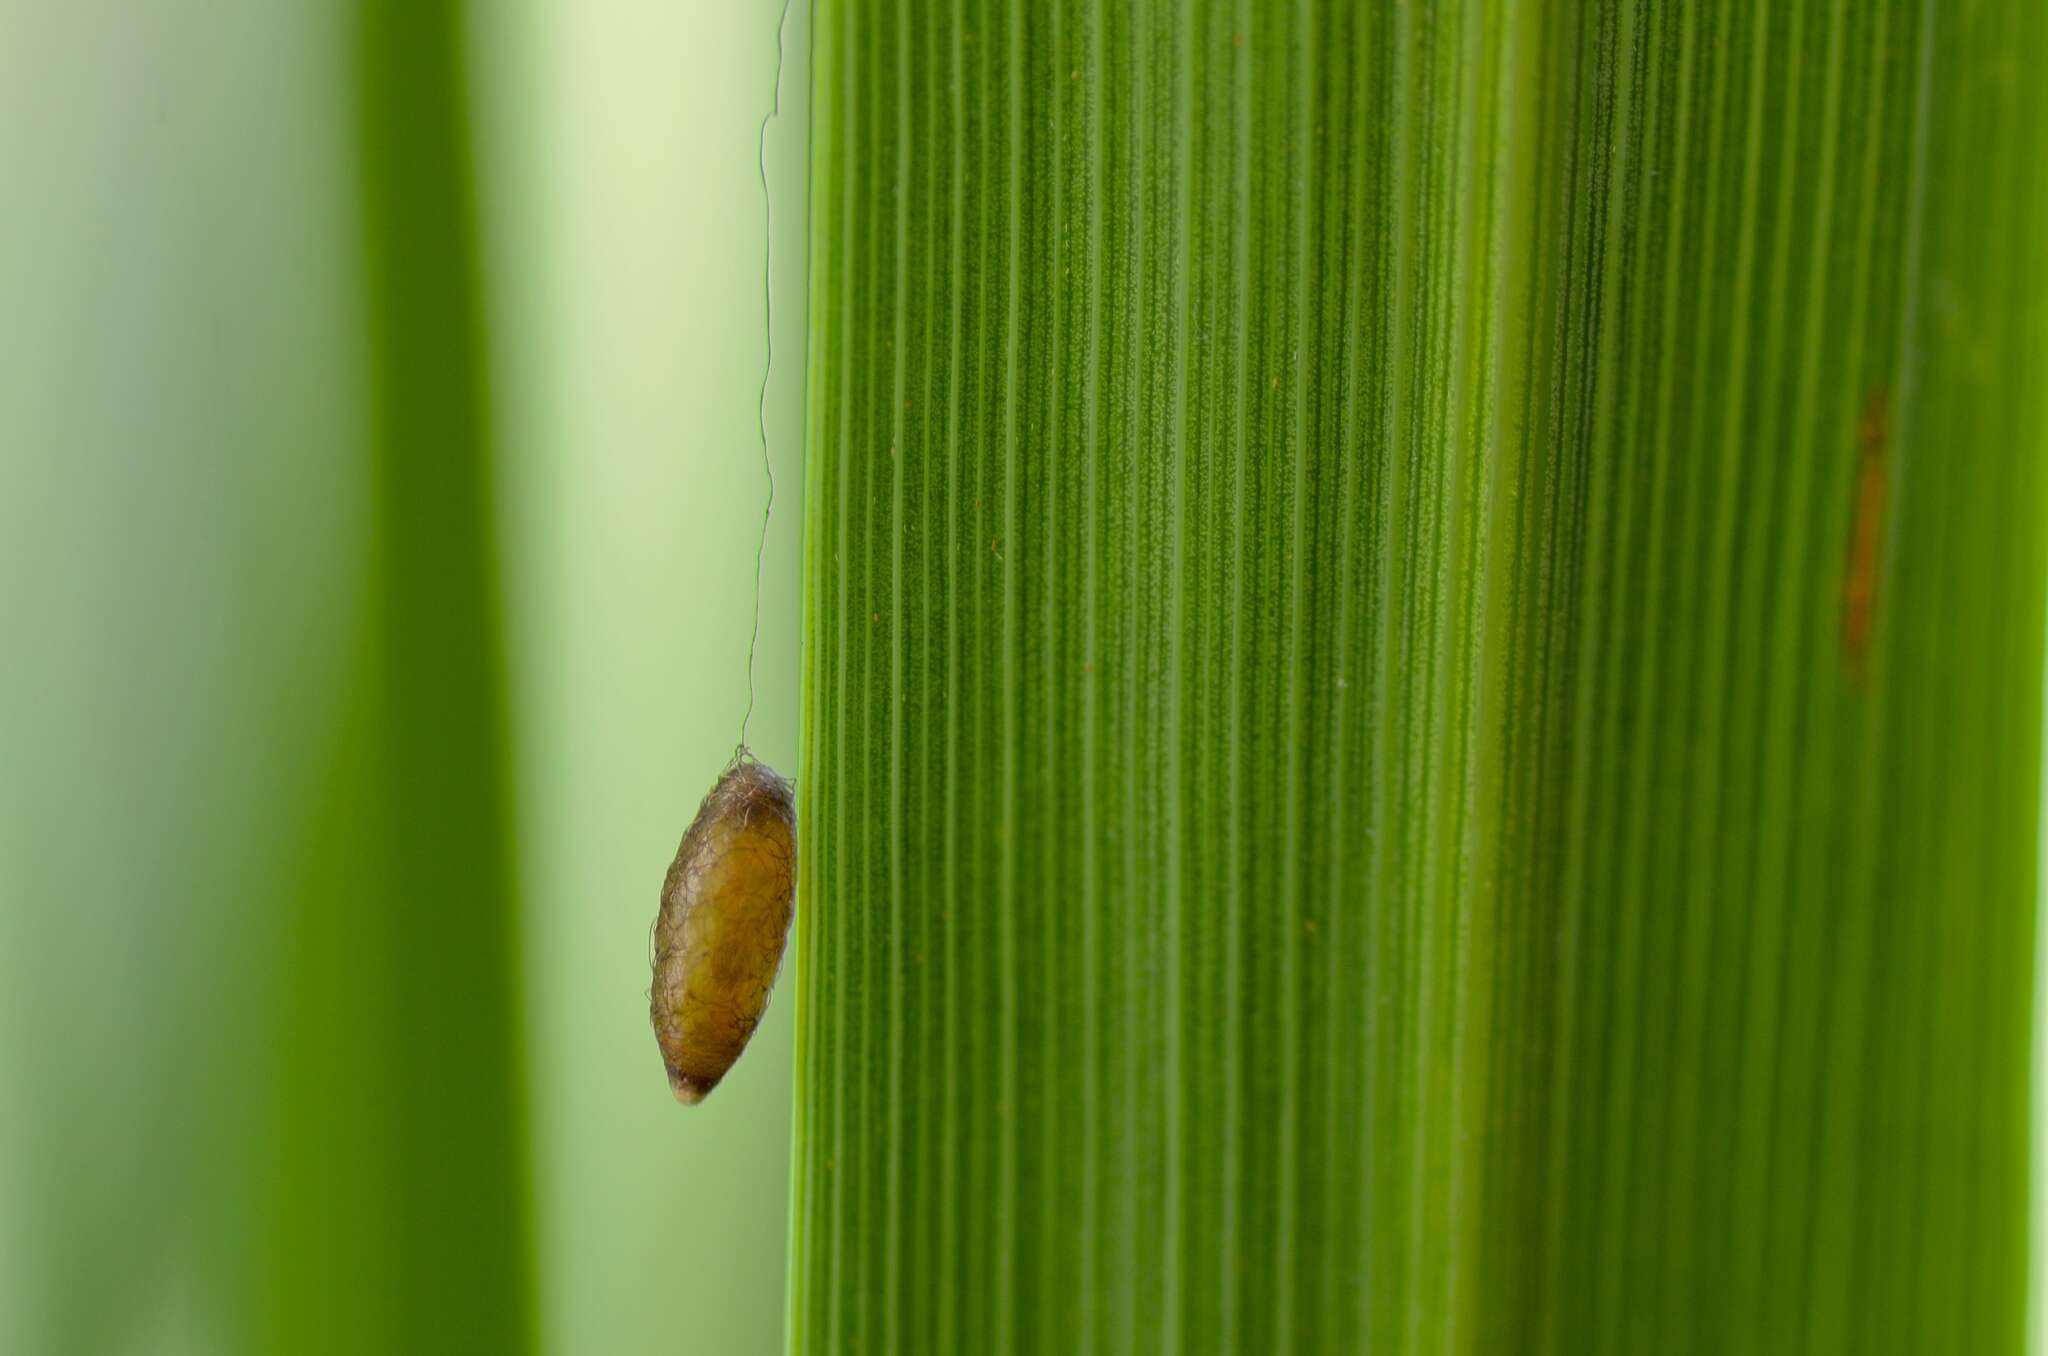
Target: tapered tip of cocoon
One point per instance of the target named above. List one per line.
(689, 1091)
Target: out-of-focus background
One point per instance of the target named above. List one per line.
(217, 1126)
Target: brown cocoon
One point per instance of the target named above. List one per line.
(725, 910)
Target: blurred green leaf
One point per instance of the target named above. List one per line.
(401, 1064)
(258, 1078)
(1348, 800)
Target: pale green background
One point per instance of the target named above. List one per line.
(182, 513)
(626, 260)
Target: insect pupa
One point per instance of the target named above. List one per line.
(725, 909)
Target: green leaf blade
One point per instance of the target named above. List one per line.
(1346, 731)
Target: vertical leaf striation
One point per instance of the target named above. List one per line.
(1341, 807)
